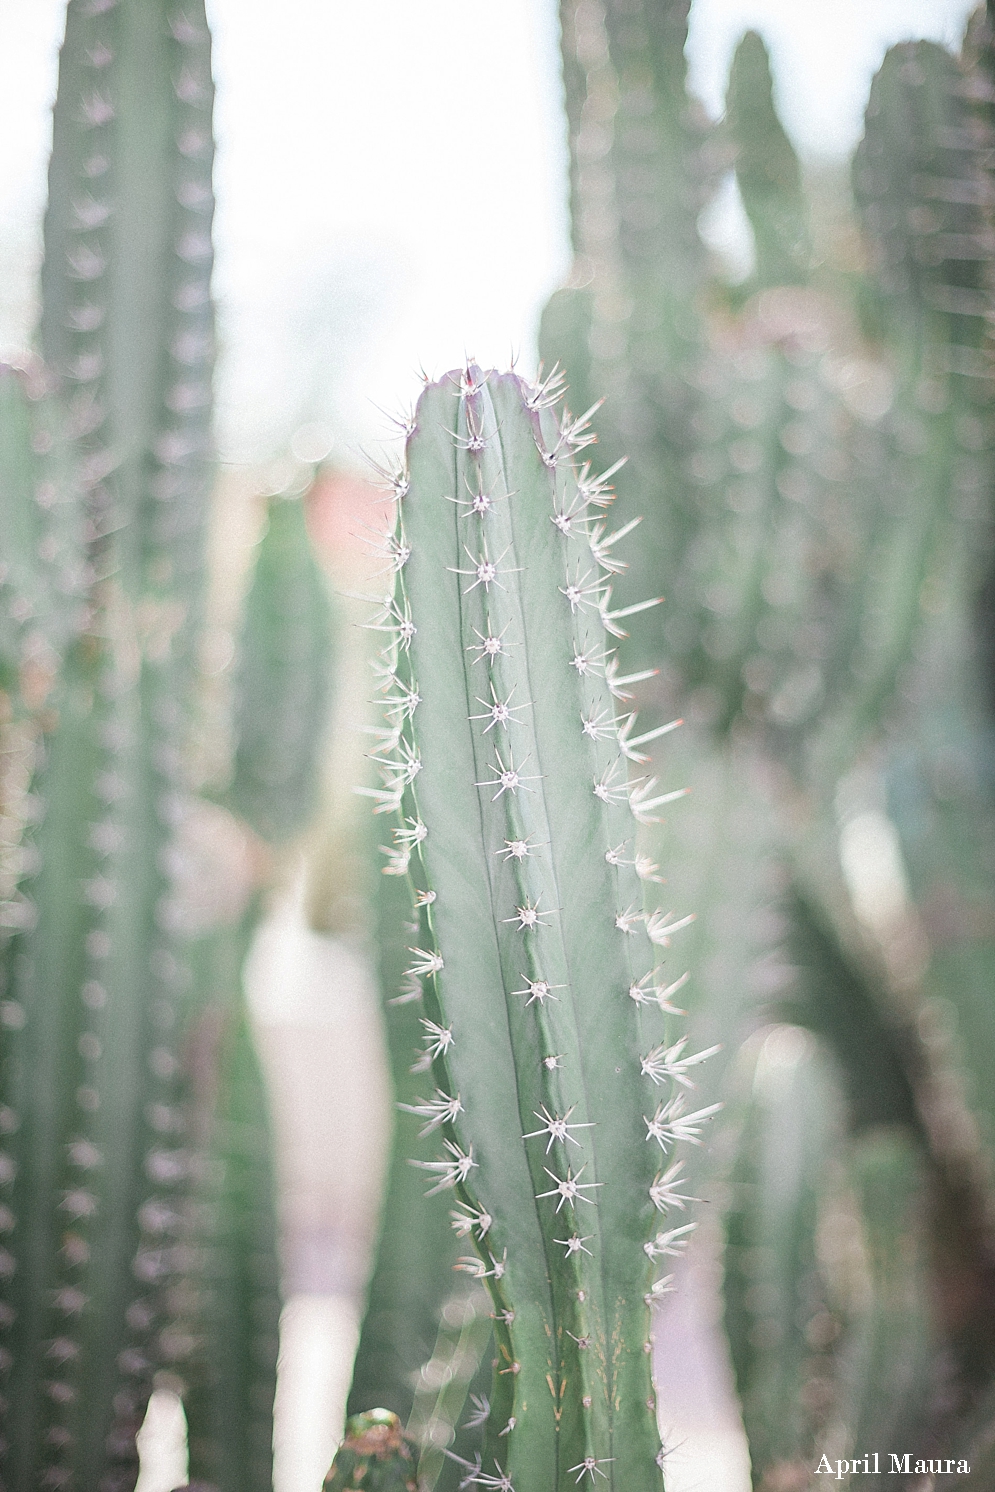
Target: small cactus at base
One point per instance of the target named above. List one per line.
(554, 1077)
(375, 1456)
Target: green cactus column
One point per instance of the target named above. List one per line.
(767, 169)
(97, 1161)
(627, 327)
(547, 1025)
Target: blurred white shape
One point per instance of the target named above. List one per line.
(871, 860)
(318, 1030)
(312, 442)
(162, 1444)
(697, 1409)
(785, 1047)
(726, 230)
(400, 198)
(318, 1339)
(867, 388)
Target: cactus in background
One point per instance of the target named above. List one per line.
(283, 683)
(232, 1302)
(91, 1067)
(828, 539)
(628, 326)
(559, 1082)
(135, 1138)
(228, 1303)
(780, 1325)
(767, 169)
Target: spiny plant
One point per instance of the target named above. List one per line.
(628, 326)
(283, 682)
(835, 511)
(91, 1065)
(560, 1084)
(138, 1208)
(767, 170)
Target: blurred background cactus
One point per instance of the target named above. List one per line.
(139, 1217)
(809, 447)
(827, 619)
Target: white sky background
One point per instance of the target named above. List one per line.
(392, 179)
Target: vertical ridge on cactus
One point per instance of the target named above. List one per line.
(530, 926)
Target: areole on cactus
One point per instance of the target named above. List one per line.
(554, 1078)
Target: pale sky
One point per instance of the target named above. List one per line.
(391, 178)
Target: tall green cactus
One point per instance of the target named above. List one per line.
(102, 986)
(780, 1325)
(628, 326)
(832, 511)
(283, 683)
(230, 1301)
(767, 169)
(559, 1080)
